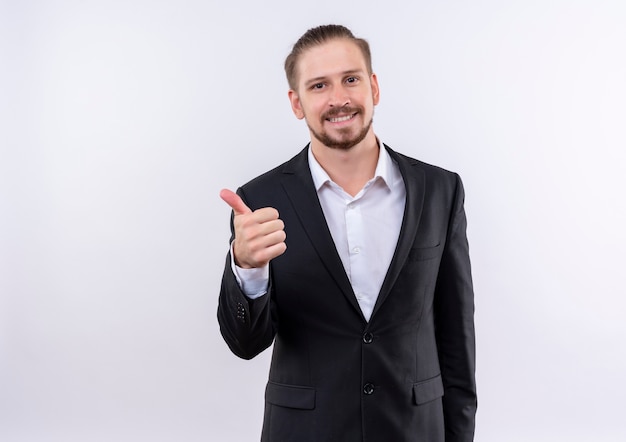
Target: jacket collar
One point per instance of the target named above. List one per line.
(300, 189)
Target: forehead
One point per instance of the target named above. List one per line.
(331, 58)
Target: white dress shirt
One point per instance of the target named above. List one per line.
(364, 228)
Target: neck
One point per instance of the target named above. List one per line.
(351, 169)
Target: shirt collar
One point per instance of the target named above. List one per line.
(384, 169)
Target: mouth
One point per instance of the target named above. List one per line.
(341, 119)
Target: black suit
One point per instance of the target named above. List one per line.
(408, 373)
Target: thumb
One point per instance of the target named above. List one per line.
(235, 202)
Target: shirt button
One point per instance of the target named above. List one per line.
(356, 250)
(368, 389)
(368, 338)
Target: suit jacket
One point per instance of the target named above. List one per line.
(408, 373)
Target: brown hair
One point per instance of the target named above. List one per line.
(317, 36)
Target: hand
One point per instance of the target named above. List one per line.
(259, 235)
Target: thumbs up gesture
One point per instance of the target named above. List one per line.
(259, 234)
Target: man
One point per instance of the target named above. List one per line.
(353, 260)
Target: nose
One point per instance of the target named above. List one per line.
(339, 96)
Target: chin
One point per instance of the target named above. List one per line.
(341, 144)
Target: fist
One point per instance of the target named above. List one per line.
(259, 235)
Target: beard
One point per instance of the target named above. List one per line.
(343, 141)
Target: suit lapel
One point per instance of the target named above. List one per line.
(414, 184)
(298, 184)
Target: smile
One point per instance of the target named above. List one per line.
(341, 119)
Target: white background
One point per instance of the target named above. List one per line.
(121, 120)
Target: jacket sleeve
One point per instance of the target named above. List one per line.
(246, 324)
(454, 320)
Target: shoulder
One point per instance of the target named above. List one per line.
(429, 171)
(433, 183)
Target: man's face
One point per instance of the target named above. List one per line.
(336, 95)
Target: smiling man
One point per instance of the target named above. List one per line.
(353, 260)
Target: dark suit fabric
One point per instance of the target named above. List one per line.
(408, 374)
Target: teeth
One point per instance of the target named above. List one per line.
(340, 119)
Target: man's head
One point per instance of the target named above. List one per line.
(317, 36)
(333, 88)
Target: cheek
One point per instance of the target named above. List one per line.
(313, 111)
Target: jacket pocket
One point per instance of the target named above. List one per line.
(428, 390)
(423, 253)
(290, 396)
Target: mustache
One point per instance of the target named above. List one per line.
(332, 113)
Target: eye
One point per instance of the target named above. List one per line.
(352, 80)
(317, 86)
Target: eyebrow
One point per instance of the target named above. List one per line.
(343, 74)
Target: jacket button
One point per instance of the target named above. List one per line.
(368, 388)
(368, 338)
(241, 312)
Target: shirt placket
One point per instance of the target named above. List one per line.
(355, 233)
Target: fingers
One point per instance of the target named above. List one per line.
(235, 202)
(258, 251)
(259, 238)
(259, 234)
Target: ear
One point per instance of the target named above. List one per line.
(375, 89)
(296, 106)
